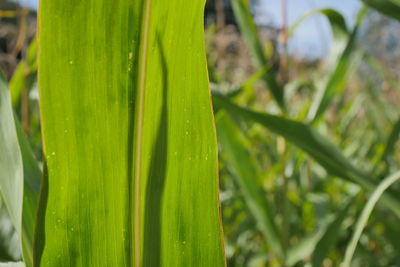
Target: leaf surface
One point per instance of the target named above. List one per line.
(128, 136)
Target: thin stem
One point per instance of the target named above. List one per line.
(284, 41)
(220, 14)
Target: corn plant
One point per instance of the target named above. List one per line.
(128, 174)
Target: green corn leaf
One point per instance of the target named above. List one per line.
(338, 26)
(330, 237)
(32, 180)
(11, 169)
(128, 135)
(366, 213)
(246, 176)
(324, 152)
(333, 82)
(317, 245)
(241, 9)
(390, 8)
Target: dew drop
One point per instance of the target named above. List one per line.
(71, 62)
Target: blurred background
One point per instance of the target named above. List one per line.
(328, 65)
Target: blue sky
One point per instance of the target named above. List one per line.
(313, 37)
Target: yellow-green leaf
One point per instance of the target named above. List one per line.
(128, 136)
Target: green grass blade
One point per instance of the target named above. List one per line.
(339, 30)
(32, 179)
(333, 82)
(365, 214)
(336, 20)
(246, 176)
(324, 152)
(11, 168)
(304, 248)
(100, 103)
(318, 244)
(390, 8)
(330, 237)
(241, 9)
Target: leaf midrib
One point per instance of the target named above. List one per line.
(138, 130)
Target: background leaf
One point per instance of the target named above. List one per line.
(245, 173)
(390, 8)
(241, 8)
(11, 175)
(365, 214)
(303, 136)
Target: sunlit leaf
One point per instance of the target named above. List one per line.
(128, 136)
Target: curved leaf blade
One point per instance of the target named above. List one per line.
(241, 9)
(11, 168)
(246, 176)
(333, 82)
(365, 214)
(324, 152)
(390, 8)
